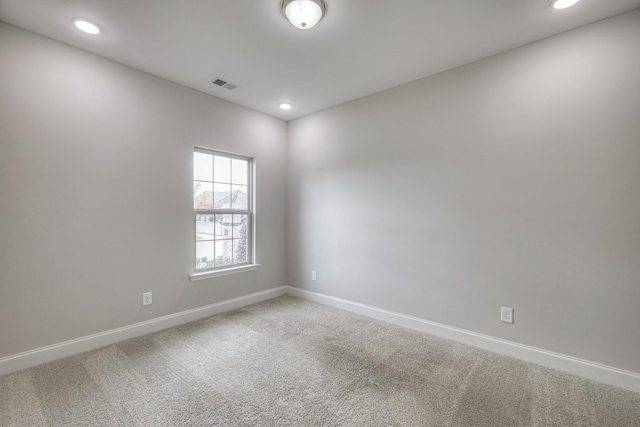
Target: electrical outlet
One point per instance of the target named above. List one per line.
(147, 298)
(506, 314)
(313, 275)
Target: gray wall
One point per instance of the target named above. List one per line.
(513, 181)
(95, 193)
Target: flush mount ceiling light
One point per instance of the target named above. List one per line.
(563, 4)
(303, 14)
(86, 26)
(285, 106)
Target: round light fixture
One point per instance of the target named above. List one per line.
(563, 4)
(303, 14)
(86, 26)
(285, 106)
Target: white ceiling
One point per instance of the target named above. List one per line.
(361, 46)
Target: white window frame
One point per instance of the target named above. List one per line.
(222, 270)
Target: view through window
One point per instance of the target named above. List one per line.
(222, 209)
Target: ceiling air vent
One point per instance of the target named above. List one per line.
(224, 84)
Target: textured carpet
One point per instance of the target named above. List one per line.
(290, 362)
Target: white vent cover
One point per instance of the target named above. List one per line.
(224, 84)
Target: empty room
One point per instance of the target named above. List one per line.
(319, 213)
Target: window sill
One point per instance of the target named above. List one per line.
(217, 273)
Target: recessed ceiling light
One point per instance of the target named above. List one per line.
(285, 106)
(563, 4)
(86, 26)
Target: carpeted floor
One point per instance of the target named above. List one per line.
(290, 362)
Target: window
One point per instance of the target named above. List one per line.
(222, 207)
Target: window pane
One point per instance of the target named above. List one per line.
(222, 169)
(240, 250)
(223, 252)
(202, 193)
(202, 167)
(239, 197)
(204, 254)
(240, 226)
(221, 196)
(205, 227)
(239, 172)
(224, 226)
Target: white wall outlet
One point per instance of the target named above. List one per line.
(313, 275)
(506, 314)
(147, 298)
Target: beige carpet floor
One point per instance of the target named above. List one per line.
(290, 362)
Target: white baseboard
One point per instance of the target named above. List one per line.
(560, 362)
(584, 368)
(35, 357)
